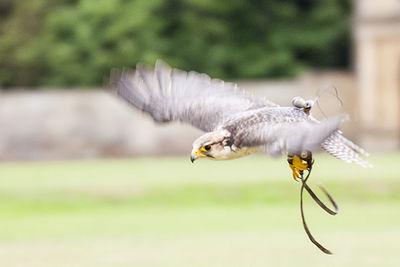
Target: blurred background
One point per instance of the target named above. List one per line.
(86, 180)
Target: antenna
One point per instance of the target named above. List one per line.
(325, 90)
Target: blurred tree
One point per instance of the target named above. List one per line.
(20, 53)
(77, 42)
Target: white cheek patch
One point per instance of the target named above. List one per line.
(223, 154)
(227, 152)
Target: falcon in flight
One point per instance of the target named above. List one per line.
(235, 123)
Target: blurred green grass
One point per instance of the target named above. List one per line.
(169, 212)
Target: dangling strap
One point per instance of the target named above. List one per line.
(320, 203)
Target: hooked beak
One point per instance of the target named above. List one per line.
(193, 158)
(195, 155)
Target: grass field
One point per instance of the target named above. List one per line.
(169, 212)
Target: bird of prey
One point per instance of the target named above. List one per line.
(235, 123)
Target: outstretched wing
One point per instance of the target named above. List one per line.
(280, 130)
(173, 95)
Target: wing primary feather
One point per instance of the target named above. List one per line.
(170, 94)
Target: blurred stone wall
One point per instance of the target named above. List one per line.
(59, 124)
(377, 62)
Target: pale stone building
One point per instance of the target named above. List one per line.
(377, 62)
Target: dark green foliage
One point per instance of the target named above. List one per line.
(77, 42)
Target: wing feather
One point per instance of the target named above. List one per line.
(174, 95)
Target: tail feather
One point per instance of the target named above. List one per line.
(342, 148)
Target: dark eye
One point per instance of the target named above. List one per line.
(206, 148)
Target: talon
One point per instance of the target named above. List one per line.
(295, 173)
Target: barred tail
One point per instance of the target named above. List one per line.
(342, 148)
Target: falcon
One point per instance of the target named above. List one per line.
(236, 124)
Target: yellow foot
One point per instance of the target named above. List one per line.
(299, 163)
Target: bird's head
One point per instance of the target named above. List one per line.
(212, 145)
